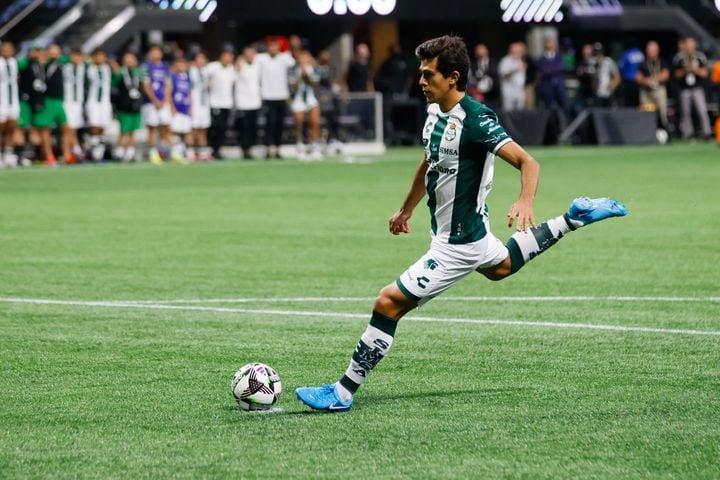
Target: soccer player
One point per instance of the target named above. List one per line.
(303, 80)
(126, 82)
(156, 112)
(461, 138)
(181, 124)
(98, 108)
(200, 113)
(9, 104)
(74, 91)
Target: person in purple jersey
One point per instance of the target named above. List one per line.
(156, 111)
(180, 105)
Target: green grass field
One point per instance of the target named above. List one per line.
(124, 388)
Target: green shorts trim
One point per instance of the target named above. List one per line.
(406, 292)
(52, 115)
(25, 118)
(129, 121)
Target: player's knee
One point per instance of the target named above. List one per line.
(390, 302)
(384, 301)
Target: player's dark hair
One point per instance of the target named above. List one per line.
(451, 53)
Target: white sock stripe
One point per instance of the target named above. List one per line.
(558, 226)
(527, 243)
(350, 373)
(372, 333)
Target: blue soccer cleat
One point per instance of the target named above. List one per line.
(584, 211)
(322, 398)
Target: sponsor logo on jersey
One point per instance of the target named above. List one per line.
(451, 132)
(434, 167)
(449, 151)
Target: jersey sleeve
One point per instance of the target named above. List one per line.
(487, 131)
(144, 73)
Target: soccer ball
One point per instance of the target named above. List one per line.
(256, 386)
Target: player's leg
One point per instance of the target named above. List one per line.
(436, 271)
(46, 146)
(314, 124)
(3, 144)
(299, 117)
(390, 306)
(524, 246)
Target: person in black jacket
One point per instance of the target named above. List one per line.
(127, 100)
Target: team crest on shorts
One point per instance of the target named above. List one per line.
(451, 132)
(430, 264)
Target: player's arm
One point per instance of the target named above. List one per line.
(522, 210)
(147, 88)
(168, 95)
(398, 223)
(168, 92)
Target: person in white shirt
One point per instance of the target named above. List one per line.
(275, 92)
(9, 104)
(221, 80)
(511, 71)
(200, 112)
(98, 106)
(247, 99)
(74, 91)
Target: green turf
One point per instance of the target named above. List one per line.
(107, 392)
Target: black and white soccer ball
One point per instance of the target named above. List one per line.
(256, 386)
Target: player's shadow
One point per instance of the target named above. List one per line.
(440, 394)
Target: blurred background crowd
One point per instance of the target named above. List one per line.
(254, 91)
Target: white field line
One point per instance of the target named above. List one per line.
(303, 313)
(580, 298)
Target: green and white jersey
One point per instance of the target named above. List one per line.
(9, 95)
(74, 82)
(460, 147)
(99, 80)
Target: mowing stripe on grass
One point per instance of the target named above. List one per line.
(579, 298)
(302, 313)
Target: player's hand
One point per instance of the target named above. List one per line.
(398, 223)
(522, 211)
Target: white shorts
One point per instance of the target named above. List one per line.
(98, 114)
(152, 117)
(181, 123)
(9, 112)
(444, 265)
(304, 105)
(74, 114)
(200, 116)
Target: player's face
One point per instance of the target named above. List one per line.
(154, 55)
(130, 60)
(54, 51)
(99, 58)
(434, 85)
(8, 50)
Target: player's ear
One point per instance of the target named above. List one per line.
(454, 77)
